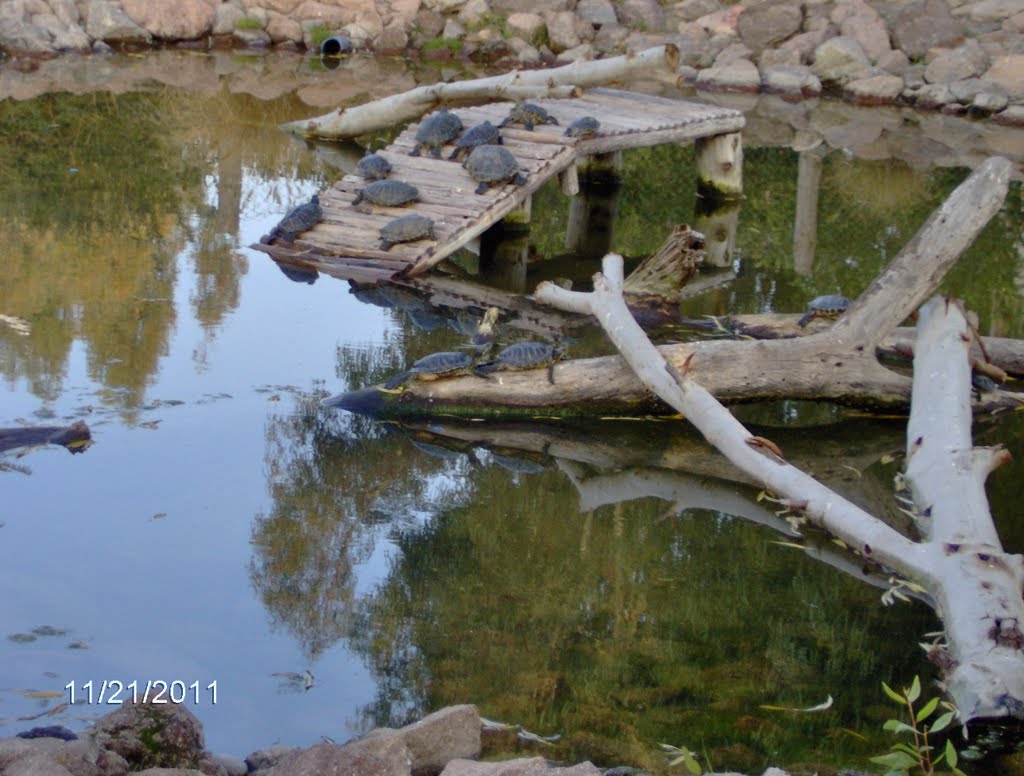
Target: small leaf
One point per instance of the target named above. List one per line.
(927, 709)
(951, 756)
(691, 764)
(915, 690)
(942, 722)
(895, 726)
(897, 761)
(892, 693)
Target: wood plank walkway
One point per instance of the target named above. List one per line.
(348, 238)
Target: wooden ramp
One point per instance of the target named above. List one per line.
(348, 241)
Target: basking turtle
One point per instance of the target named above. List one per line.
(523, 355)
(528, 115)
(828, 306)
(433, 367)
(436, 130)
(481, 134)
(490, 164)
(298, 220)
(373, 167)
(387, 193)
(406, 229)
(585, 126)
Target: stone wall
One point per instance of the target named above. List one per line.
(953, 55)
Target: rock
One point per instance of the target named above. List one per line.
(646, 15)
(894, 61)
(596, 13)
(375, 755)
(151, 735)
(281, 28)
(775, 57)
(562, 34)
(532, 766)
(37, 765)
(723, 22)
(860, 21)
(450, 733)
(251, 38)
(694, 50)
(738, 76)
(581, 53)
(965, 61)
(995, 10)
(731, 53)
(989, 102)
(806, 43)
(106, 21)
(1012, 116)
(505, 7)
(877, 89)
(611, 39)
(430, 23)
(921, 25)
(1008, 72)
(691, 10)
(392, 40)
(225, 17)
(232, 765)
(764, 24)
(933, 96)
(171, 19)
(790, 81)
(840, 60)
(473, 13)
(264, 759)
(966, 90)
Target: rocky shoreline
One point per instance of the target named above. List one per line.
(959, 57)
(167, 740)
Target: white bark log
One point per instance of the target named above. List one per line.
(976, 587)
(346, 123)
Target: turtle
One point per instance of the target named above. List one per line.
(433, 367)
(828, 306)
(491, 164)
(586, 126)
(406, 229)
(297, 220)
(373, 167)
(388, 193)
(528, 115)
(481, 134)
(522, 355)
(436, 130)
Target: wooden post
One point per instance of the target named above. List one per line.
(720, 166)
(520, 217)
(717, 220)
(504, 254)
(593, 211)
(805, 225)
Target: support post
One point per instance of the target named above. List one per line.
(805, 224)
(594, 210)
(720, 166)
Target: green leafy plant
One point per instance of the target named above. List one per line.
(680, 755)
(318, 33)
(248, 23)
(905, 757)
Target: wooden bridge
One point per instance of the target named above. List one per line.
(347, 241)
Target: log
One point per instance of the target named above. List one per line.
(671, 267)
(346, 123)
(75, 438)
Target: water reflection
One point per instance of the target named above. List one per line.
(615, 582)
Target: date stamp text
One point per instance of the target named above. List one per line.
(115, 692)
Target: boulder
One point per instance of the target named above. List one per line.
(506, 7)
(645, 15)
(860, 21)
(691, 10)
(562, 32)
(741, 75)
(62, 36)
(151, 735)
(171, 19)
(921, 25)
(965, 61)
(995, 10)
(878, 89)
(764, 24)
(105, 20)
(375, 755)
(840, 60)
(597, 13)
(790, 81)
(526, 25)
(1008, 72)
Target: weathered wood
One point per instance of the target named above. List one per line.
(720, 166)
(671, 267)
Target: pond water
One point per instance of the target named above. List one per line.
(300, 573)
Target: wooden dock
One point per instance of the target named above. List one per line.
(348, 241)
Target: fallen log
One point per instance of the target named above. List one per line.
(959, 563)
(346, 123)
(75, 438)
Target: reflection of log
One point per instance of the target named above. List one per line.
(75, 438)
(521, 84)
(962, 565)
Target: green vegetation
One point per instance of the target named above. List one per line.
(452, 45)
(920, 754)
(248, 23)
(318, 33)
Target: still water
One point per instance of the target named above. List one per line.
(300, 573)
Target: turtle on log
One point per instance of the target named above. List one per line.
(373, 167)
(387, 193)
(406, 229)
(528, 115)
(490, 165)
(481, 134)
(523, 355)
(585, 126)
(828, 306)
(433, 367)
(436, 130)
(297, 221)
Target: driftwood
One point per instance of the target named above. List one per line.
(347, 123)
(672, 266)
(976, 586)
(75, 438)
(838, 363)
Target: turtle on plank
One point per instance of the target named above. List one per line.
(490, 165)
(373, 167)
(481, 134)
(523, 355)
(828, 306)
(406, 229)
(387, 193)
(297, 221)
(528, 114)
(433, 367)
(585, 126)
(436, 130)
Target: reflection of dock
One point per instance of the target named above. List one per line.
(347, 240)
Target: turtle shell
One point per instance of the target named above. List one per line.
(387, 193)
(827, 306)
(433, 367)
(405, 229)
(373, 167)
(528, 114)
(522, 355)
(436, 130)
(584, 126)
(481, 134)
(297, 220)
(491, 164)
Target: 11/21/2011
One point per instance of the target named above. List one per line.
(116, 692)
